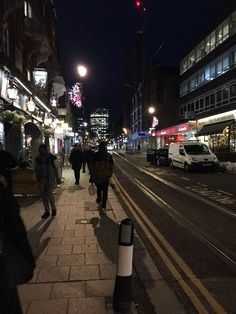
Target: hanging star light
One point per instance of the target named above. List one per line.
(75, 95)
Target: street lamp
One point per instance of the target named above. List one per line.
(151, 110)
(82, 70)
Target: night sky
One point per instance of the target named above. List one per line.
(93, 33)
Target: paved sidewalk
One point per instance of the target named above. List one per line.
(77, 253)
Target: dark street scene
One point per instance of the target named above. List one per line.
(117, 157)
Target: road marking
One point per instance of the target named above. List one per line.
(180, 262)
(187, 179)
(202, 184)
(227, 193)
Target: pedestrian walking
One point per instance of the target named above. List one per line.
(62, 155)
(102, 167)
(47, 172)
(85, 159)
(7, 163)
(76, 159)
(12, 235)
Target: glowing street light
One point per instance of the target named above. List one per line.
(82, 70)
(151, 110)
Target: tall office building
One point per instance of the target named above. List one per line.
(99, 124)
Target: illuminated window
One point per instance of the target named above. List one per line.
(27, 9)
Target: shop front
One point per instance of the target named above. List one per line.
(177, 133)
(219, 133)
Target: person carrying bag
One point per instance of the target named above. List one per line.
(17, 262)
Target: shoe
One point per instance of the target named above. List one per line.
(77, 183)
(54, 212)
(103, 210)
(45, 215)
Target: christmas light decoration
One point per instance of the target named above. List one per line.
(75, 94)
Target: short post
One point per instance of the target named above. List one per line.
(123, 288)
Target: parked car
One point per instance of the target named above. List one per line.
(158, 157)
(162, 158)
(192, 155)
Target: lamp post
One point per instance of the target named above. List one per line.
(151, 111)
(82, 71)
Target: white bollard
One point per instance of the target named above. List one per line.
(123, 289)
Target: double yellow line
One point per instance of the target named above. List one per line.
(143, 220)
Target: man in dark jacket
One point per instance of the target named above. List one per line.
(7, 163)
(76, 159)
(101, 168)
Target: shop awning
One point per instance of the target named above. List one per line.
(214, 128)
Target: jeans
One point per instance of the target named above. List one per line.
(102, 193)
(46, 192)
(77, 174)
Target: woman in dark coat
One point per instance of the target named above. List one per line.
(12, 226)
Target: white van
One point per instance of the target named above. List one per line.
(191, 155)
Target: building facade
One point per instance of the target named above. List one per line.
(31, 75)
(208, 82)
(159, 92)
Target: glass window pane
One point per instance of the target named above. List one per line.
(213, 71)
(212, 99)
(212, 40)
(225, 92)
(219, 67)
(219, 35)
(226, 30)
(207, 73)
(233, 90)
(218, 96)
(225, 62)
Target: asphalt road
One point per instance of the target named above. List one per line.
(187, 222)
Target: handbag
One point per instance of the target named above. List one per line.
(92, 189)
(15, 268)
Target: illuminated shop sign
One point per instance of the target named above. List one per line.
(175, 130)
(40, 78)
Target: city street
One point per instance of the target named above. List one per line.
(187, 222)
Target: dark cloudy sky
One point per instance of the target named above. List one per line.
(93, 33)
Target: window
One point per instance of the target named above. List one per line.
(208, 44)
(225, 30)
(212, 40)
(207, 73)
(233, 90)
(207, 102)
(197, 105)
(225, 92)
(201, 103)
(233, 23)
(218, 96)
(27, 9)
(219, 35)
(212, 99)
(192, 83)
(212, 71)
(225, 62)
(219, 67)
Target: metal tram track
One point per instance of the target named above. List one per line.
(182, 190)
(226, 254)
(183, 275)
